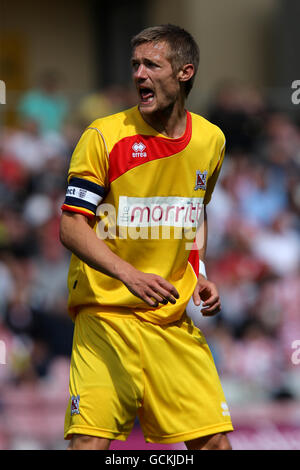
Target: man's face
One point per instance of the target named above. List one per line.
(157, 85)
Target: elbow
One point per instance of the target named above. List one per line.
(63, 232)
(70, 229)
(62, 236)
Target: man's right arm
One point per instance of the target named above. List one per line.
(78, 237)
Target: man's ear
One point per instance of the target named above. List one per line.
(186, 73)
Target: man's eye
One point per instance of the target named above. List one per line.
(152, 65)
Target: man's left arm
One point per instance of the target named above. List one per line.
(205, 290)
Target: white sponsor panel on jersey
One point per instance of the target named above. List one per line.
(159, 211)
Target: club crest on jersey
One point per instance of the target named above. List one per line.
(75, 405)
(138, 150)
(200, 180)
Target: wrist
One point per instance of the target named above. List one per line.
(125, 272)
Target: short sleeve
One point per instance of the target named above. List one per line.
(88, 174)
(215, 173)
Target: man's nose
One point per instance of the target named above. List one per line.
(141, 72)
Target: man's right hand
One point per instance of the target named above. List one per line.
(80, 239)
(151, 288)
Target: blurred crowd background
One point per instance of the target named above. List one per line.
(253, 253)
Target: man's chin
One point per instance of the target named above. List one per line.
(147, 108)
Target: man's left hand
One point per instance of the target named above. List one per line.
(207, 293)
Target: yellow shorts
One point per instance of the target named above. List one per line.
(122, 367)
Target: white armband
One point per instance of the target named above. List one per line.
(202, 269)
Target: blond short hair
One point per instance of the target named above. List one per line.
(183, 48)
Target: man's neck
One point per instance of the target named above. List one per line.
(169, 122)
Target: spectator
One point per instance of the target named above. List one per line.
(239, 110)
(278, 246)
(103, 102)
(46, 104)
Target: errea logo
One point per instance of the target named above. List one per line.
(138, 150)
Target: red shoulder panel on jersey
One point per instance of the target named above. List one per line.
(136, 150)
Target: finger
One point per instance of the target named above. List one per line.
(212, 305)
(166, 296)
(210, 314)
(168, 287)
(157, 296)
(213, 299)
(150, 301)
(196, 297)
(211, 310)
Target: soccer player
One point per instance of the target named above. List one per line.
(137, 184)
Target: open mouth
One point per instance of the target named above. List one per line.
(147, 95)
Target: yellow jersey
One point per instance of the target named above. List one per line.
(143, 194)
